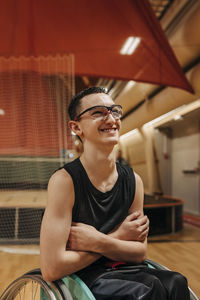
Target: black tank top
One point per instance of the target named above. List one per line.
(102, 210)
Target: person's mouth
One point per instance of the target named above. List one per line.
(109, 130)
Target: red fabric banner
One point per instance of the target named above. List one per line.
(94, 31)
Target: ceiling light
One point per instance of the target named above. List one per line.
(178, 118)
(2, 112)
(130, 84)
(130, 45)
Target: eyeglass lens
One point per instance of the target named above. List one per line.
(102, 112)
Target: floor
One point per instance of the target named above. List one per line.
(179, 252)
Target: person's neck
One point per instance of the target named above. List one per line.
(99, 161)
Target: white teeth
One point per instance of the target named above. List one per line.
(110, 129)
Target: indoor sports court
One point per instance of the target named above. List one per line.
(146, 53)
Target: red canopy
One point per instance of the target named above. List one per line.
(94, 31)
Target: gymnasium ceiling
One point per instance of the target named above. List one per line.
(144, 102)
(187, 50)
(160, 9)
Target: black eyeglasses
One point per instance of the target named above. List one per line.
(100, 112)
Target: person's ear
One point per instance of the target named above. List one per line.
(75, 127)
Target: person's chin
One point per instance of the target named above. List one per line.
(111, 140)
(110, 137)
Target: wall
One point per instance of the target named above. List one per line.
(139, 149)
(163, 150)
(185, 160)
(168, 158)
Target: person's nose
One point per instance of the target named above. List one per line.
(109, 117)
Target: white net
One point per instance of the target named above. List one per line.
(35, 141)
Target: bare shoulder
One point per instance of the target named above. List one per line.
(60, 191)
(138, 200)
(60, 178)
(138, 181)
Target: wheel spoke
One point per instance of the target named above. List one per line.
(31, 286)
(24, 291)
(36, 288)
(20, 294)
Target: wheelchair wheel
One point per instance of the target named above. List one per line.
(57, 286)
(27, 287)
(31, 286)
(155, 265)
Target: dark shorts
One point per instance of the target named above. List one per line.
(144, 284)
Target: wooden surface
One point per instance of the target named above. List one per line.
(14, 265)
(162, 201)
(38, 198)
(179, 252)
(23, 198)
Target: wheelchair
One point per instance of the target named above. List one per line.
(31, 285)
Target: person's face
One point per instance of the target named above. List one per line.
(93, 125)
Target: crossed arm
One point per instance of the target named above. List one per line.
(84, 243)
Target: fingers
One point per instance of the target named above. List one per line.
(137, 215)
(78, 224)
(144, 229)
(133, 216)
(143, 235)
(142, 221)
(142, 225)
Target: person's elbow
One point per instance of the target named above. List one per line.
(141, 254)
(50, 270)
(49, 273)
(141, 258)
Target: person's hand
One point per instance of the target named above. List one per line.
(83, 237)
(135, 227)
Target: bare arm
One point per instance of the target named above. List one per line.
(57, 262)
(128, 242)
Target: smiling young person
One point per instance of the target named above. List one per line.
(94, 219)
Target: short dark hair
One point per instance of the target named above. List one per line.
(75, 101)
